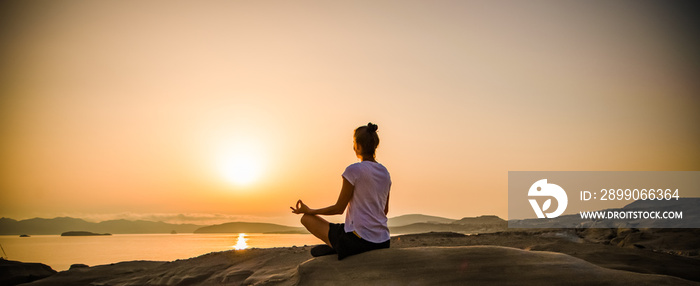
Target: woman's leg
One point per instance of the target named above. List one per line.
(317, 226)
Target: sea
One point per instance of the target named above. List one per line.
(60, 252)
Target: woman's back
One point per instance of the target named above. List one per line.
(366, 216)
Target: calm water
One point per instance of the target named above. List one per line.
(60, 252)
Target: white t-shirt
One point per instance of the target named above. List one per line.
(366, 208)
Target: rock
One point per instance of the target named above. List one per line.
(468, 265)
(246, 267)
(598, 235)
(15, 272)
(78, 265)
(625, 231)
(508, 258)
(96, 274)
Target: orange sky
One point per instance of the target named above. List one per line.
(129, 109)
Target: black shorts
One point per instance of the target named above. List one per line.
(349, 243)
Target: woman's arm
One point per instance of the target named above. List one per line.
(343, 199)
(386, 208)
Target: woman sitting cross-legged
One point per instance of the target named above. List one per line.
(365, 193)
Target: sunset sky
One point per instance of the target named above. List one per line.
(151, 109)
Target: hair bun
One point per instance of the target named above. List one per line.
(372, 127)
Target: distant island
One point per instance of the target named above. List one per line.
(404, 224)
(422, 223)
(407, 219)
(82, 233)
(413, 223)
(55, 226)
(250, 227)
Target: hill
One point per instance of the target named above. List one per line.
(249, 227)
(43, 226)
(411, 223)
(36, 226)
(142, 226)
(416, 218)
(481, 220)
(480, 224)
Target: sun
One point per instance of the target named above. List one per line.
(241, 169)
(239, 161)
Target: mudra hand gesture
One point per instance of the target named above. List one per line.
(301, 208)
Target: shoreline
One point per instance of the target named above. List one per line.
(61, 252)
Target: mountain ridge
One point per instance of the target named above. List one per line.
(249, 227)
(408, 219)
(58, 225)
(410, 223)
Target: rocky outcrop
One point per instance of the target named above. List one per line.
(478, 265)
(507, 258)
(468, 265)
(676, 241)
(15, 272)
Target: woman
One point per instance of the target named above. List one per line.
(365, 193)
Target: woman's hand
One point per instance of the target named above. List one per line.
(301, 208)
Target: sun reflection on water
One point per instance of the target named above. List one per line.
(240, 243)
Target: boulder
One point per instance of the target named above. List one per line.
(468, 265)
(15, 272)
